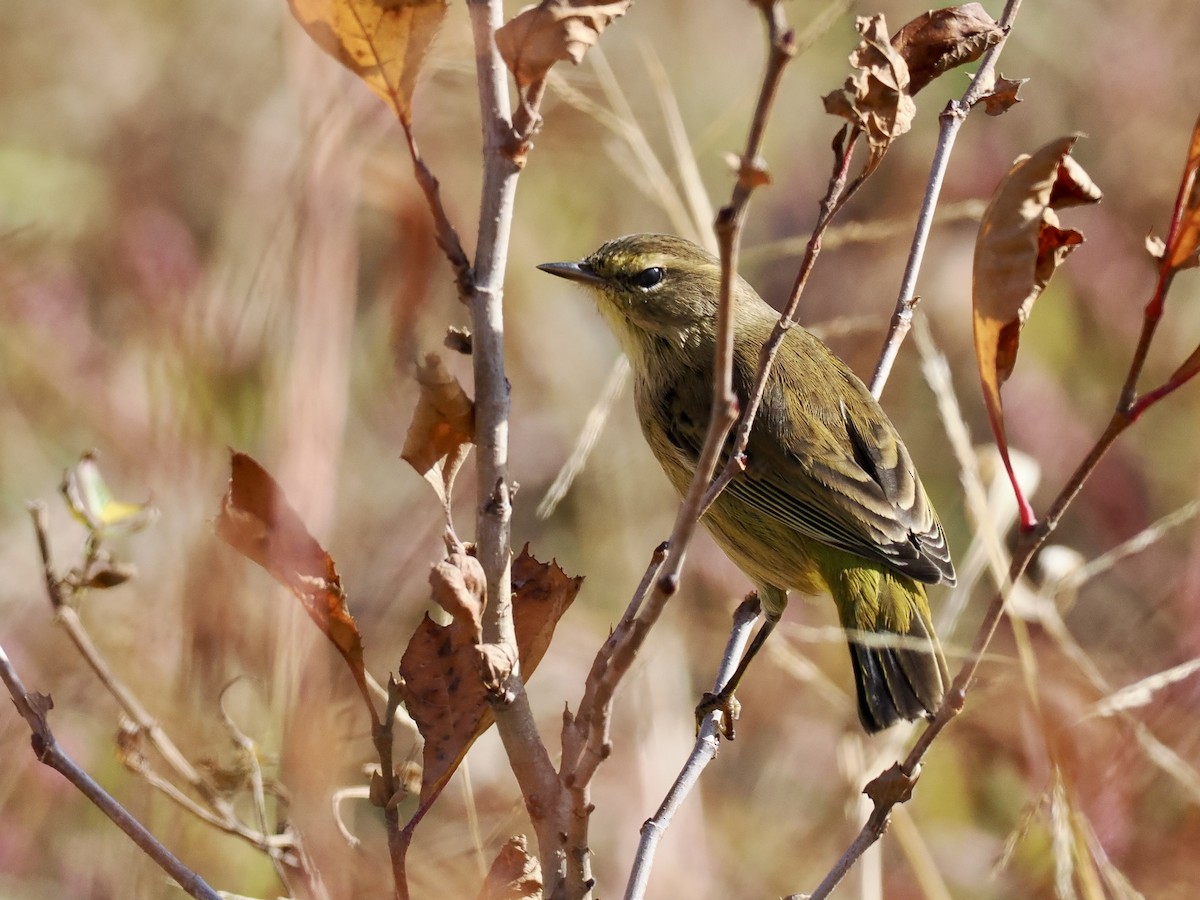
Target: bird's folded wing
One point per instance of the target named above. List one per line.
(853, 491)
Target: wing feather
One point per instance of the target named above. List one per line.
(845, 480)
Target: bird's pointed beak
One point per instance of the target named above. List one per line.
(580, 271)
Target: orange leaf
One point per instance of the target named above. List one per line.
(539, 36)
(1003, 96)
(442, 684)
(383, 42)
(257, 521)
(876, 99)
(1020, 245)
(442, 429)
(942, 39)
(1184, 252)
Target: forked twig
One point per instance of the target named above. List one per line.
(33, 708)
(211, 807)
(1128, 408)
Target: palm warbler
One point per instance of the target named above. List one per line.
(829, 501)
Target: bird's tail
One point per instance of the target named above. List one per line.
(899, 670)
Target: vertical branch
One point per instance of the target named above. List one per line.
(527, 754)
(487, 317)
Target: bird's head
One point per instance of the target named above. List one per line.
(653, 289)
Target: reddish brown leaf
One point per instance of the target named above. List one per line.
(257, 521)
(1020, 245)
(515, 874)
(942, 39)
(1003, 96)
(442, 429)
(876, 99)
(542, 592)
(442, 683)
(539, 36)
(1184, 252)
(383, 42)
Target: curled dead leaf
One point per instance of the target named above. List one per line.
(942, 39)
(515, 874)
(497, 662)
(876, 99)
(539, 36)
(459, 586)
(458, 340)
(891, 787)
(442, 428)
(1003, 96)
(383, 42)
(1020, 245)
(751, 173)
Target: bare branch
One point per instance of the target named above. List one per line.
(527, 753)
(33, 708)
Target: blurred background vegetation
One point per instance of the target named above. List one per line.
(210, 238)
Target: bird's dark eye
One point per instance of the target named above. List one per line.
(648, 278)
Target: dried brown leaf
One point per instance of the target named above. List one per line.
(496, 663)
(542, 592)
(942, 39)
(1003, 96)
(1019, 247)
(515, 874)
(890, 787)
(106, 573)
(442, 428)
(459, 586)
(257, 521)
(383, 42)
(539, 36)
(876, 99)
(458, 340)
(442, 685)
(751, 174)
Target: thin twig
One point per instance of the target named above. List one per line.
(340, 796)
(836, 196)
(951, 119)
(703, 751)
(212, 807)
(585, 735)
(33, 709)
(250, 754)
(390, 792)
